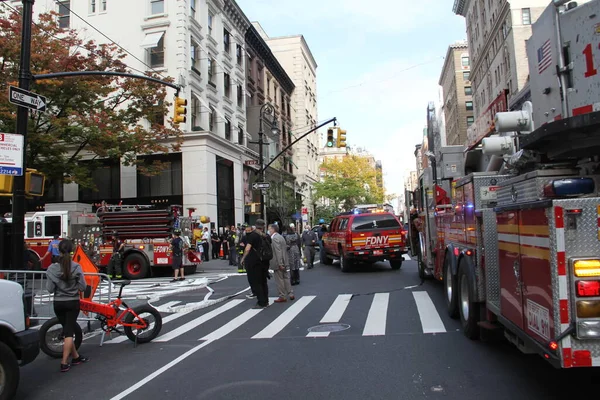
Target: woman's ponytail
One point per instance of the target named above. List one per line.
(65, 248)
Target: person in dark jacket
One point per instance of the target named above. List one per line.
(65, 279)
(216, 244)
(225, 243)
(309, 240)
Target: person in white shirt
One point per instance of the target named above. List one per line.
(205, 240)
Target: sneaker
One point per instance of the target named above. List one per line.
(259, 307)
(174, 280)
(182, 279)
(250, 296)
(292, 297)
(65, 367)
(80, 360)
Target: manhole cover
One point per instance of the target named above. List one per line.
(329, 328)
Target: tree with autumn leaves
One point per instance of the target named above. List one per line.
(349, 181)
(88, 118)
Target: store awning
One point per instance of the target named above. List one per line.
(151, 40)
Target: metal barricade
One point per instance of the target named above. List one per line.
(38, 302)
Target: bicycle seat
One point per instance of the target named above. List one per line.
(124, 282)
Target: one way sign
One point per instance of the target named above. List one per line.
(27, 99)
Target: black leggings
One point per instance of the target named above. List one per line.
(67, 313)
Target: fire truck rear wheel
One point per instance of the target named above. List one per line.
(469, 313)
(345, 263)
(135, 266)
(450, 290)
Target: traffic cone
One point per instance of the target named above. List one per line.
(221, 252)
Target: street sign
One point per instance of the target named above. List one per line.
(27, 99)
(251, 162)
(261, 185)
(11, 154)
(304, 210)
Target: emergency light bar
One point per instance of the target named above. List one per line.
(569, 187)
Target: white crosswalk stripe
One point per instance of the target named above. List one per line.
(231, 317)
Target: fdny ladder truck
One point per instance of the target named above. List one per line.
(516, 240)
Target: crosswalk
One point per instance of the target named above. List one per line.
(377, 315)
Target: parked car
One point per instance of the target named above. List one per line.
(19, 345)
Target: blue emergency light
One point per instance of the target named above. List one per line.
(569, 187)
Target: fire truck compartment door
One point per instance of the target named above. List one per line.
(509, 259)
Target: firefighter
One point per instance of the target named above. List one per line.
(242, 245)
(52, 250)
(114, 268)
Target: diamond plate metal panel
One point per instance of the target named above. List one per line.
(483, 180)
(581, 240)
(528, 187)
(492, 267)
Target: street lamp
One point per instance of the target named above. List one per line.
(266, 109)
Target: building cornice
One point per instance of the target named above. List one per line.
(460, 7)
(236, 16)
(450, 57)
(256, 42)
(304, 44)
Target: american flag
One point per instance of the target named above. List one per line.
(544, 55)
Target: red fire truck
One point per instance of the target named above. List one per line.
(145, 230)
(516, 239)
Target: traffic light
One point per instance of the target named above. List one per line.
(180, 111)
(34, 183)
(329, 137)
(341, 138)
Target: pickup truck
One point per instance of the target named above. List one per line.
(19, 345)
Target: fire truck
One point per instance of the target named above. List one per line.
(145, 230)
(515, 237)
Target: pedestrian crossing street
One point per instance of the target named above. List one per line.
(365, 315)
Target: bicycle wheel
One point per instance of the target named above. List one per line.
(51, 338)
(148, 314)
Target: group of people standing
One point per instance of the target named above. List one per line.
(266, 249)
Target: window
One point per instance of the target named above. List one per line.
(469, 105)
(526, 16)
(157, 54)
(238, 53)
(468, 91)
(227, 85)
(193, 8)
(240, 96)
(92, 6)
(466, 75)
(470, 121)
(226, 40)
(249, 63)
(210, 22)
(259, 74)
(375, 221)
(464, 61)
(195, 113)
(158, 115)
(167, 182)
(64, 14)
(212, 119)
(211, 70)
(195, 53)
(106, 178)
(102, 5)
(53, 225)
(240, 135)
(157, 7)
(227, 129)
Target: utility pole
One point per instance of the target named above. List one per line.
(265, 109)
(18, 200)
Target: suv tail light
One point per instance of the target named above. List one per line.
(349, 239)
(588, 288)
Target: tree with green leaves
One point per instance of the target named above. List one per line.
(349, 181)
(87, 118)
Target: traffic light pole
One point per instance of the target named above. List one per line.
(262, 171)
(18, 200)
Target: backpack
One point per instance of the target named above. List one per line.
(265, 253)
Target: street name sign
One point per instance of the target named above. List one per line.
(11, 154)
(27, 99)
(261, 185)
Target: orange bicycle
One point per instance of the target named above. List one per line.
(141, 324)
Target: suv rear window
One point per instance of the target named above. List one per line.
(374, 221)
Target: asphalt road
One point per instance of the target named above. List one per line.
(398, 344)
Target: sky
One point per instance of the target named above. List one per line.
(378, 66)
